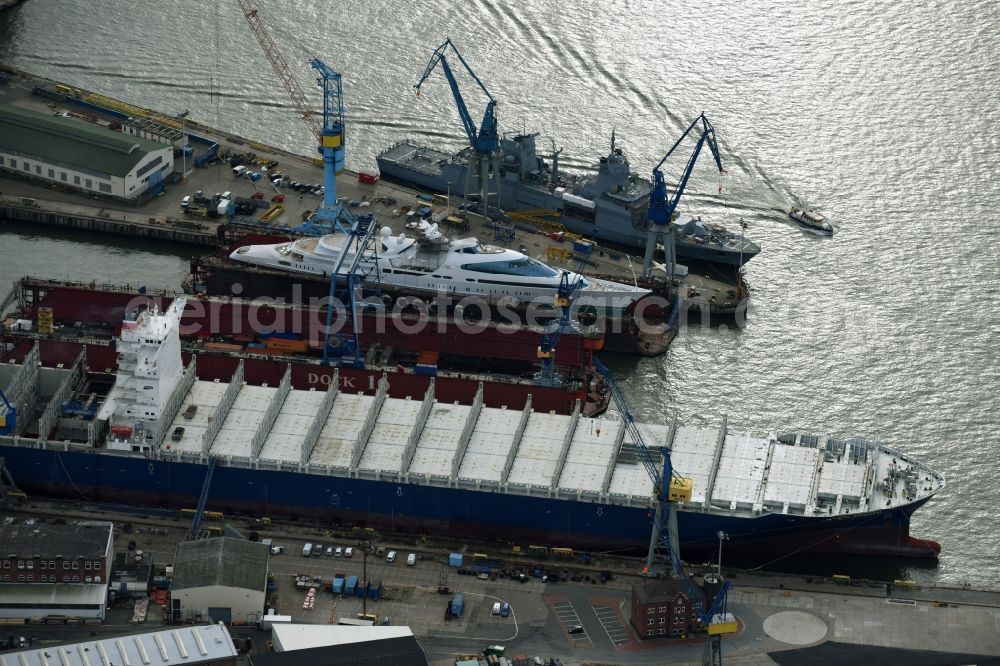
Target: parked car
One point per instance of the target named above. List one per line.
(339, 552)
(177, 434)
(317, 550)
(277, 550)
(411, 559)
(278, 198)
(576, 629)
(348, 552)
(391, 557)
(186, 201)
(329, 551)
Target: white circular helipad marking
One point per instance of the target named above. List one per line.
(795, 627)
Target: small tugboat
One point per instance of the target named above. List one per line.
(811, 221)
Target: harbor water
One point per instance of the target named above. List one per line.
(882, 116)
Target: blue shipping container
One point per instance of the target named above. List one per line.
(361, 588)
(352, 582)
(455, 560)
(338, 585)
(425, 369)
(458, 605)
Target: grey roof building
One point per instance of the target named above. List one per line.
(222, 578)
(73, 152)
(223, 561)
(49, 569)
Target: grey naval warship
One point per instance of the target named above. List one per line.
(610, 206)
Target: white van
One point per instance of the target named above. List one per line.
(411, 559)
(239, 170)
(496, 609)
(186, 201)
(307, 550)
(391, 557)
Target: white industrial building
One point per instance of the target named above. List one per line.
(80, 155)
(223, 579)
(206, 645)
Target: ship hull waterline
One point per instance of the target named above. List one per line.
(102, 477)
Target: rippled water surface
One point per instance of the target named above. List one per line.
(882, 115)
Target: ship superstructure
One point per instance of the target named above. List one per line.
(149, 372)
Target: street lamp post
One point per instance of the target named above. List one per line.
(183, 116)
(448, 199)
(722, 537)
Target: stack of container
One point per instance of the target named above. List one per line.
(427, 363)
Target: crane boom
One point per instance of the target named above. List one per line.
(486, 140)
(662, 206)
(668, 488)
(281, 68)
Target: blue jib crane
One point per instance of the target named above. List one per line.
(670, 487)
(662, 206)
(484, 140)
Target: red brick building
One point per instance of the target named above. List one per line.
(663, 609)
(45, 553)
(49, 570)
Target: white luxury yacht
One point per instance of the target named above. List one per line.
(430, 262)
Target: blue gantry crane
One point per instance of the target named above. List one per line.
(358, 251)
(664, 548)
(8, 416)
(332, 214)
(329, 133)
(357, 264)
(484, 140)
(662, 206)
(547, 375)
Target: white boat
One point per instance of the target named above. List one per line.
(429, 262)
(812, 221)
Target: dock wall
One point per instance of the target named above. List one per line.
(33, 214)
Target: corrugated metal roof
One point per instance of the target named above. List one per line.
(51, 594)
(221, 561)
(71, 142)
(186, 645)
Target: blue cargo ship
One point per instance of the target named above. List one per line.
(422, 465)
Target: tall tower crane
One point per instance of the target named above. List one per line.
(663, 557)
(329, 133)
(484, 141)
(331, 215)
(662, 207)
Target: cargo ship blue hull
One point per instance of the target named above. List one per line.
(100, 476)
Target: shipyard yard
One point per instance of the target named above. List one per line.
(760, 443)
(780, 615)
